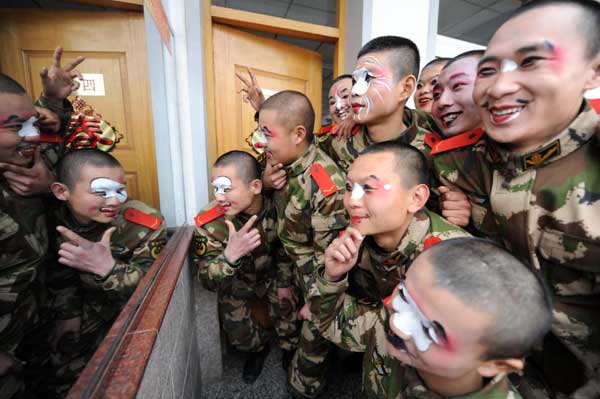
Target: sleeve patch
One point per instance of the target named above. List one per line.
(200, 245)
(156, 246)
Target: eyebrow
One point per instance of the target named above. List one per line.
(456, 75)
(374, 177)
(541, 46)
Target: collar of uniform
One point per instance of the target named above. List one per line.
(87, 231)
(242, 218)
(304, 162)
(497, 387)
(406, 136)
(573, 137)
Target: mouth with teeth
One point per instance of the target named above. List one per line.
(343, 113)
(449, 118)
(225, 205)
(424, 101)
(505, 114)
(109, 212)
(26, 151)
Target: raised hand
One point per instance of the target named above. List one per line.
(242, 242)
(342, 254)
(48, 121)
(252, 92)
(344, 129)
(455, 205)
(274, 176)
(58, 82)
(28, 181)
(85, 255)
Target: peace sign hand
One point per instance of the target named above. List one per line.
(241, 242)
(85, 255)
(252, 92)
(59, 82)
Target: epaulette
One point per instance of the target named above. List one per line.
(333, 129)
(465, 139)
(323, 180)
(143, 219)
(595, 103)
(325, 130)
(209, 215)
(431, 241)
(431, 139)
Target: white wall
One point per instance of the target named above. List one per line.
(448, 47)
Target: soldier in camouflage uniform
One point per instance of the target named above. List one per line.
(386, 191)
(542, 182)
(239, 256)
(443, 332)
(310, 214)
(384, 79)
(105, 247)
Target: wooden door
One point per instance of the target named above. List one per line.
(277, 66)
(114, 45)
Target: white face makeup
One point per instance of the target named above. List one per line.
(222, 185)
(357, 191)
(409, 319)
(259, 140)
(361, 85)
(109, 188)
(29, 129)
(508, 66)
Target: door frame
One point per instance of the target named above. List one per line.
(264, 23)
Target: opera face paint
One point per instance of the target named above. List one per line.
(222, 185)
(371, 83)
(259, 140)
(29, 130)
(108, 188)
(408, 319)
(508, 66)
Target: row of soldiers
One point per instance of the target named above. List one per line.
(73, 246)
(445, 243)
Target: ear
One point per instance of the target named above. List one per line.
(60, 191)
(491, 368)
(594, 81)
(299, 134)
(418, 197)
(407, 87)
(256, 186)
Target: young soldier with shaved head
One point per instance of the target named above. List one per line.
(544, 180)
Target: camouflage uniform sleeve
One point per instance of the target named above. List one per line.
(65, 291)
(63, 109)
(125, 276)
(208, 256)
(285, 269)
(340, 317)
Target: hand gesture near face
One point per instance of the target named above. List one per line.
(242, 242)
(48, 121)
(252, 92)
(85, 255)
(455, 205)
(344, 129)
(274, 176)
(28, 181)
(342, 254)
(58, 82)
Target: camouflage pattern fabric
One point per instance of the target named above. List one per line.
(253, 279)
(307, 222)
(546, 206)
(98, 301)
(344, 152)
(358, 327)
(23, 246)
(378, 272)
(53, 152)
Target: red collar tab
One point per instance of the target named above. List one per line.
(595, 103)
(431, 241)
(323, 180)
(465, 139)
(209, 215)
(431, 139)
(141, 218)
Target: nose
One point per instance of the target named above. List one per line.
(444, 100)
(113, 201)
(503, 84)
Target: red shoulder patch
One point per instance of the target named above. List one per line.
(325, 130)
(431, 241)
(355, 130)
(209, 215)
(465, 139)
(141, 218)
(431, 139)
(387, 301)
(595, 103)
(323, 180)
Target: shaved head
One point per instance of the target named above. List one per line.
(293, 109)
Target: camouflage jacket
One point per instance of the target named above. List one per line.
(377, 272)
(546, 206)
(309, 216)
(344, 152)
(465, 169)
(358, 327)
(23, 246)
(256, 271)
(134, 247)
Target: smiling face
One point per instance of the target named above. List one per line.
(424, 91)
(533, 76)
(453, 107)
(374, 89)
(231, 192)
(375, 198)
(281, 145)
(97, 195)
(16, 111)
(446, 346)
(340, 100)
